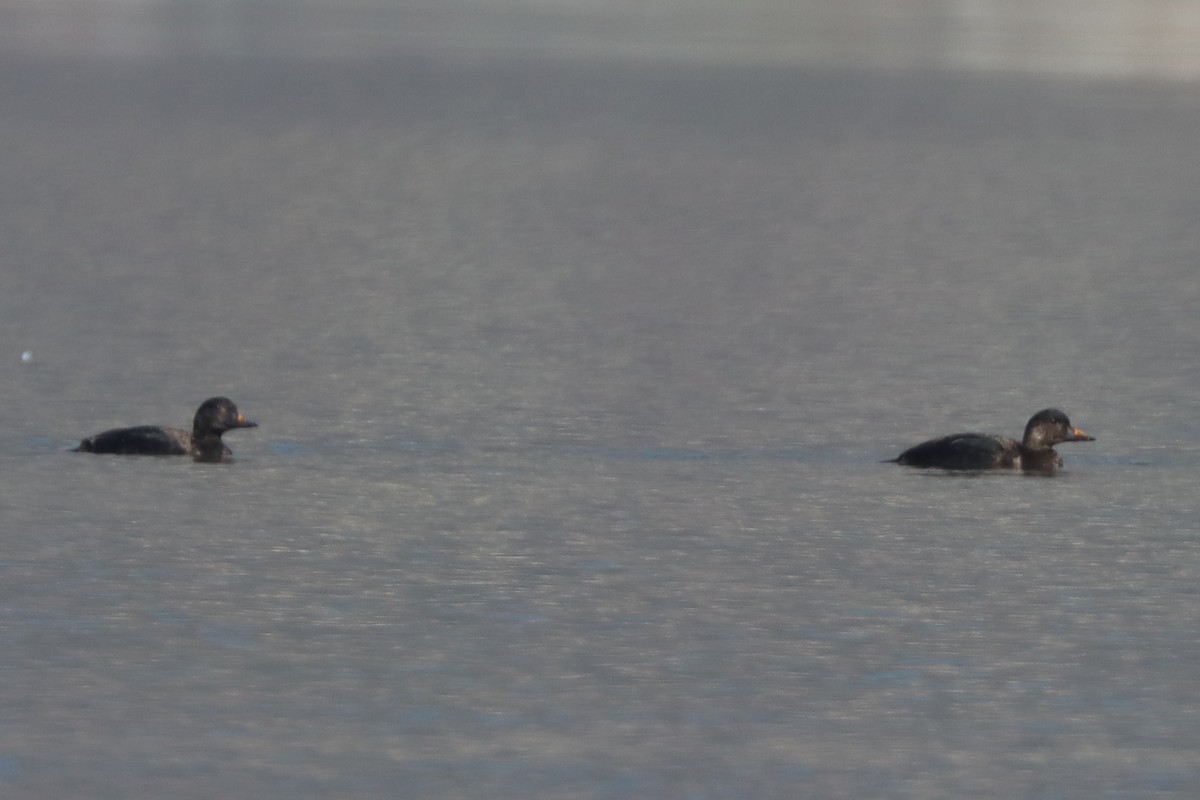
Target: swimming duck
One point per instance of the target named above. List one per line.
(1034, 453)
(215, 416)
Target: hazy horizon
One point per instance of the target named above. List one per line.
(1111, 38)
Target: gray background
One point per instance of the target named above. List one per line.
(576, 335)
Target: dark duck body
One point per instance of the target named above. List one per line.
(977, 451)
(215, 416)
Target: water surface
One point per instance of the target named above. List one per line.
(574, 377)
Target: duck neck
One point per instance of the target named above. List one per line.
(1039, 459)
(208, 446)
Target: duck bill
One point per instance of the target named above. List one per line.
(242, 422)
(1079, 436)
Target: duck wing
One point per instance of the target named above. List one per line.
(141, 440)
(963, 451)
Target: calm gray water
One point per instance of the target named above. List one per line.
(573, 379)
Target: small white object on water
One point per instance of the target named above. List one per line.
(27, 356)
